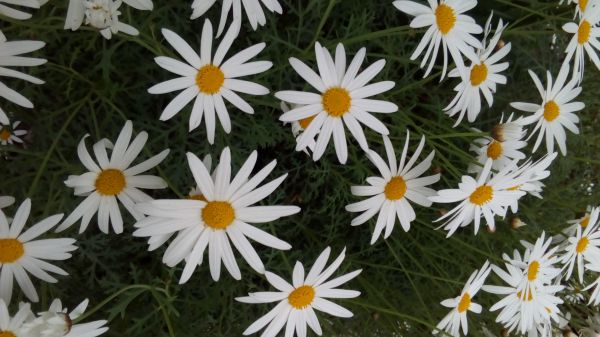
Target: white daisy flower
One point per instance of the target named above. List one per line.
(556, 111)
(530, 176)
(224, 217)
(17, 13)
(449, 26)
(253, 10)
(500, 148)
(521, 309)
(298, 301)
(299, 126)
(342, 100)
(486, 196)
(210, 79)
(20, 254)
(584, 40)
(102, 15)
(583, 246)
(482, 76)
(112, 180)
(462, 304)
(389, 195)
(581, 222)
(12, 326)
(11, 134)
(10, 52)
(58, 321)
(538, 265)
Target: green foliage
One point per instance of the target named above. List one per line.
(93, 86)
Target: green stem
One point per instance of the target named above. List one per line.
(321, 24)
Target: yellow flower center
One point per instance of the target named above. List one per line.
(336, 101)
(585, 222)
(582, 245)
(583, 5)
(305, 122)
(209, 79)
(395, 188)
(479, 74)
(465, 303)
(532, 271)
(4, 135)
(521, 296)
(110, 182)
(583, 33)
(301, 297)
(10, 251)
(7, 334)
(494, 150)
(445, 18)
(482, 195)
(551, 111)
(218, 214)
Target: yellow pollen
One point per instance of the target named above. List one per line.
(305, 122)
(110, 182)
(583, 33)
(482, 195)
(551, 111)
(479, 74)
(445, 18)
(494, 150)
(395, 188)
(218, 214)
(4, 135)
(582, 244)
(301, 297)
(521, 296)
(585, 222)
(336, 101)
(7, 334)
(198, 197)
(465, 303)
(514, 188)
(583, 5)
(532, 272)
(209, 79)
(10, 251)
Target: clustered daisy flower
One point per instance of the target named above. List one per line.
(342, 101)
(252, 8)
(210, 79)
(11, 133)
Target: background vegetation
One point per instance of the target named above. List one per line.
(94, 85)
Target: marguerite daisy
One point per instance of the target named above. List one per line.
(102, 15)
(482, 76)
(112, 180)
(520, 308)
(299, 126)
(487, 196)
(400, 182)
(530, 176)
(581, 222)
(13, 326)
(10, 134)
(253, 10)
(463, 303)
(556, 111)
(9, 56)
(342, 100)
(298, 300)
(448, 25)
(538, 265)
(208, 79)
(584, 40)
(58, 321)
(225, 215)
(502, 150)
(16, 13)
(20, 254)
(583, 246)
